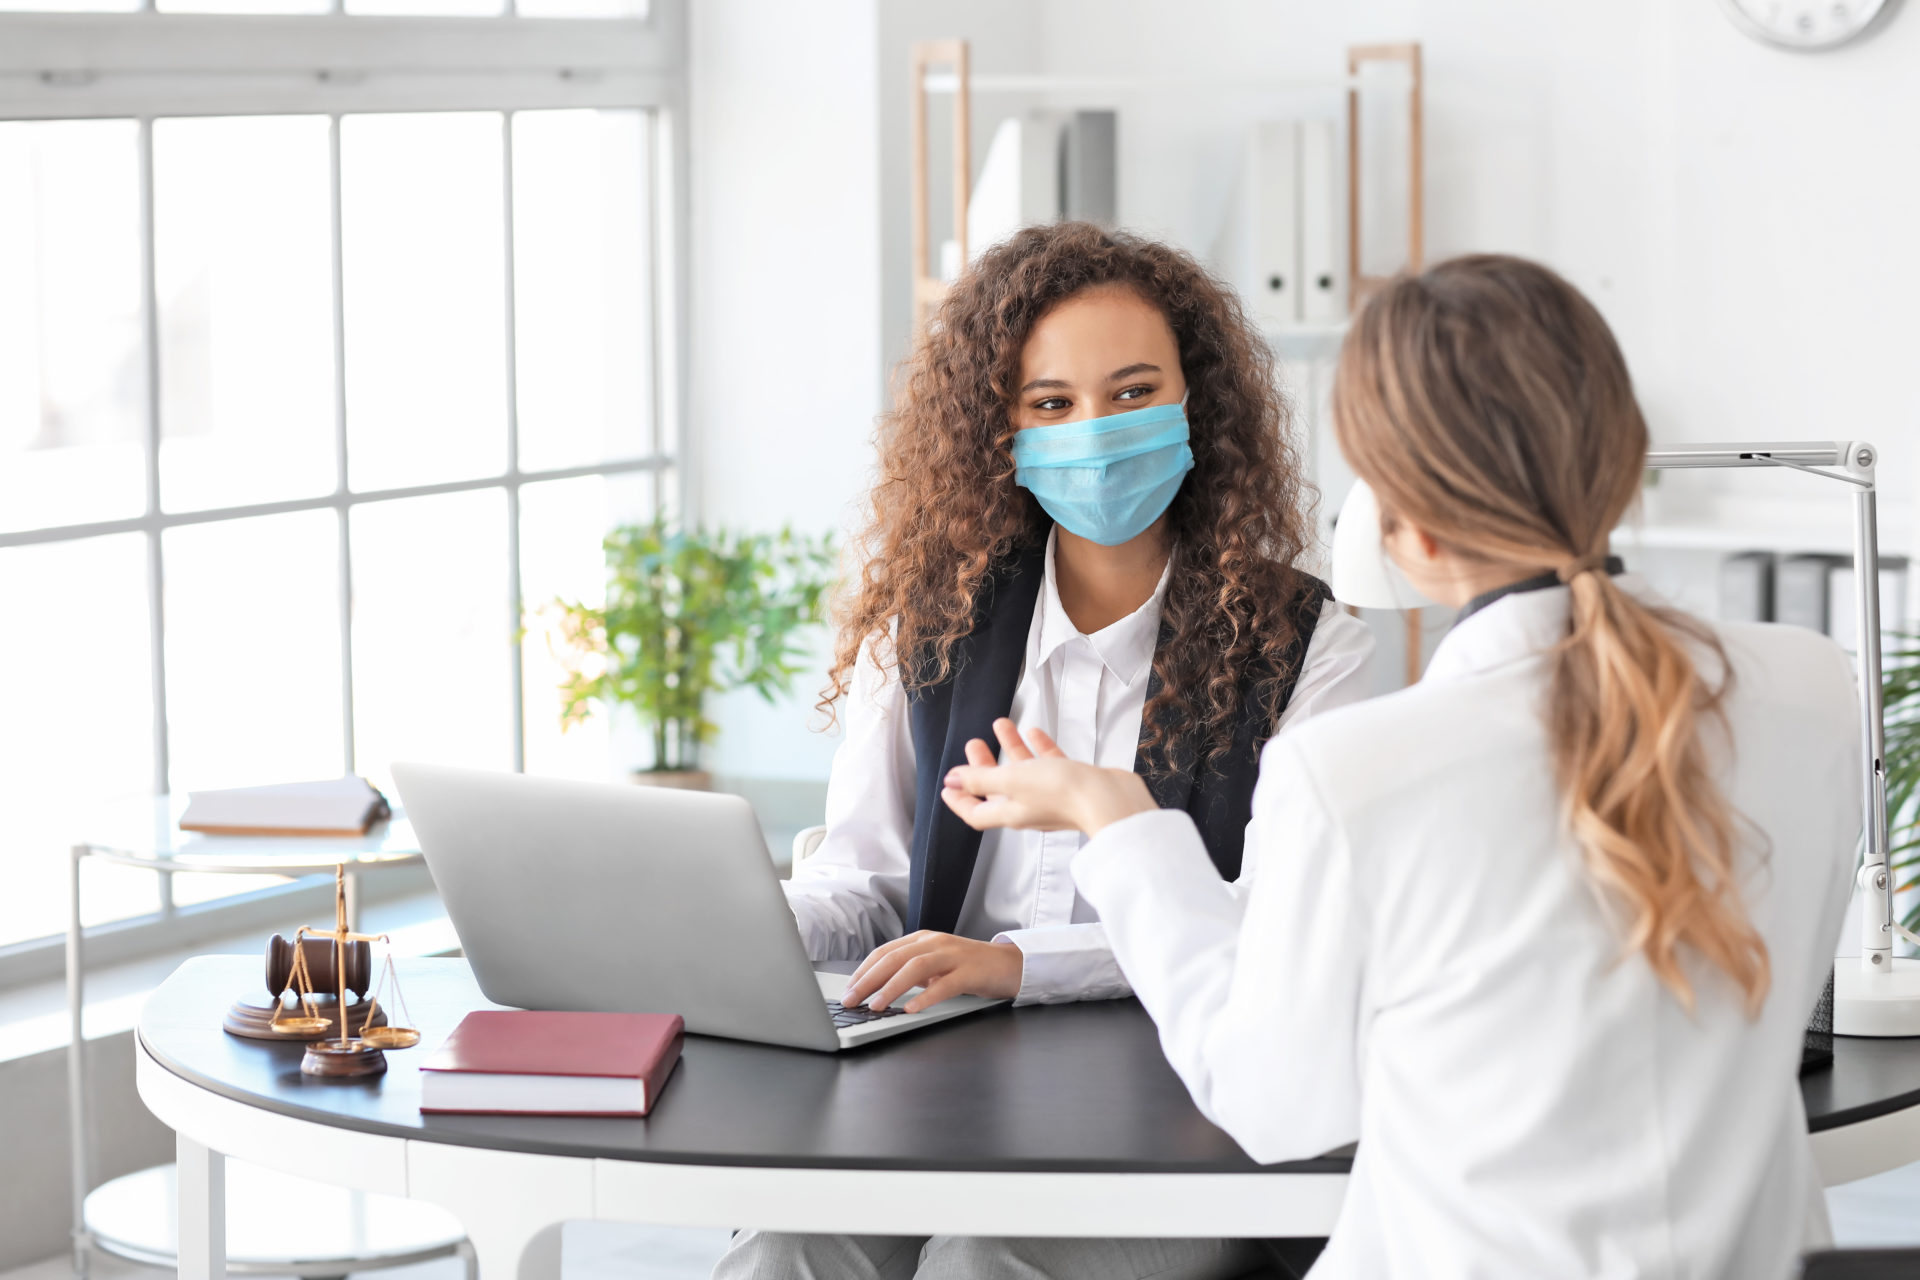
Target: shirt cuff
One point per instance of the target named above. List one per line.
(1155, 845)
(1064, 963)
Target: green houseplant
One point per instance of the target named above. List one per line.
(1900, 698)
(690, 613)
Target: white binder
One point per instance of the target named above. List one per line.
(1258, 249)
(1746, 587)
(1801, 590)
(1019, 183)
(1323, 274)
(1843, 623)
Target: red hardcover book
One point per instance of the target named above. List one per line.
(524, 1062)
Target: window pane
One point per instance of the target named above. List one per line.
(581, 293)
(431, 633)
(253, 651)
(425, 287)
(73, 372)
(433, 7)
(245, 277)
(243, 6)
(70, 6)
(562, 523)
(582, 8)
(75, 695)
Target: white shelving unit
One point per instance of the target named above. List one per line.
(1788, 526)
(1677, 542)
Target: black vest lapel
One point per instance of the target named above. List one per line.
(943, 717)
(987, 668)
(1168, 767)
(1219, 798)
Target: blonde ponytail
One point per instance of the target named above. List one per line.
(1625, 715)
(1486, 401)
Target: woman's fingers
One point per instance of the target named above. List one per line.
(1012, 746)
(961, 803)
(1042, 744)
(979, 754)
(914, 972)
(879, 964)
(975, 780)
(942, 988)
(982, 815)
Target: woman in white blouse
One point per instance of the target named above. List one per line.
(1542, 932)
(1086, 517)
(1126, 585)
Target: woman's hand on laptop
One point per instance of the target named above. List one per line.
(943, 964)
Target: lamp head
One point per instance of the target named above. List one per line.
(1363, 574)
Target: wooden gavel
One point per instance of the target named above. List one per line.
(320, 973)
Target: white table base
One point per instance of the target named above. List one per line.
(276, 1224)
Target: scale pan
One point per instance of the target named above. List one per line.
(300, 1026)
(390, 1037)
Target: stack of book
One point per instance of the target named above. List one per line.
(523, 1062)
(335, 807)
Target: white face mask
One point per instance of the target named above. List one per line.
(1363, 573)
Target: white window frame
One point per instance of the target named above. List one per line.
(149, 65)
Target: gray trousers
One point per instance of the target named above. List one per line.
(774, 1255)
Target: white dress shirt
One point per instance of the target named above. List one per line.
(1088, 692)
(1420, 961)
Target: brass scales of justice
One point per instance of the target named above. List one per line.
(321, 967)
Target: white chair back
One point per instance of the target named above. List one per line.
(805, 843)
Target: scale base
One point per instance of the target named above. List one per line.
(1876, 1004)
(253, 1019)
(332, 1060)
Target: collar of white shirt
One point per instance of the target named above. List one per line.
(1124, 647)
(1512, 629)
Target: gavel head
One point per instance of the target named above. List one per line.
(319, 956)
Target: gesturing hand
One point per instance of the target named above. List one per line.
(943, 964)
(1038, 788)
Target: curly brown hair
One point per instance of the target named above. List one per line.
(945, 511)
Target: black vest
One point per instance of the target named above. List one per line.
(987, 666)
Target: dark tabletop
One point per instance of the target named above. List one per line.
(1056, 1088)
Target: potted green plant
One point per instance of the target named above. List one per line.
(1900, 702)
(690, 613)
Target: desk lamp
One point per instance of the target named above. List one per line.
(1879, 995)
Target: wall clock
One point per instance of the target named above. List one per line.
(1809, 26)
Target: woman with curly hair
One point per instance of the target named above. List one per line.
(1087, 517)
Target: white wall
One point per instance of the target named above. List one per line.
(1742, 215)
(799, 192)
(1787, 252)
(785, 319)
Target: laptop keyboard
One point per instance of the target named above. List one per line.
(845, 1017)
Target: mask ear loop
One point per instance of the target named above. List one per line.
(1397, 578)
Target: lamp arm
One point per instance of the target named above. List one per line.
(1877, 923)
(1817, 471)
(1853, 461)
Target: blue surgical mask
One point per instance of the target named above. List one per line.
(1106, 479)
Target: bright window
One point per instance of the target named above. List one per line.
(300, 400)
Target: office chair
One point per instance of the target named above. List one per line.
(1861, 1264)
(804, 844)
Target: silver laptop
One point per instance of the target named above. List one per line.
(625, 899)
